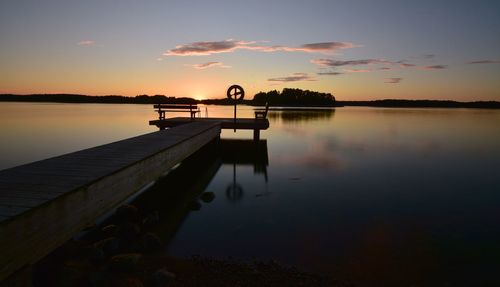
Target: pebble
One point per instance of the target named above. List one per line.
(127, 212)
(128, 231)
(109, 230)
(151, 219)
(150, 243)
(162, 277)
(108, 246)
(124, 262)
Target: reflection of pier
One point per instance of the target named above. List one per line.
(245, 152)
(174, 196)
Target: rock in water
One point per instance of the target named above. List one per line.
(207, 197)
(109, 230)
(125, 262)
(129, 281)
(162, 277)
(128, 231)
(109, 246)
(194, 205)
(151, 219)
(127, 212)
(150, 243)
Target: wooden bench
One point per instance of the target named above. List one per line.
(262, 114)
(161, 109)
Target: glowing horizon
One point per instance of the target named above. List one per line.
(438, 51)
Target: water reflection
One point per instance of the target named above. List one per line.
(300, 115)
(172, 198)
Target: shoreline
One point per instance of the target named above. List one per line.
(149, 100)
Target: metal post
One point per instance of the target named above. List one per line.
(234, 116)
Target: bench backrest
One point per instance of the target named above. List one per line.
(176, 107)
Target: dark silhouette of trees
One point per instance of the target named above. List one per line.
(285, 98)
(112, 99)
(294, 98)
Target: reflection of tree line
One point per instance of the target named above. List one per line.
(301, 115)
(181, 191)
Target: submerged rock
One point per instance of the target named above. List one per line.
(194, 205)
(129, 281)
(109, 246)
(127, 212)
(150, 243)
(207, 197)
(162, 277)
(151, 219)
(125, 262)
(109, 230)
(128, 231)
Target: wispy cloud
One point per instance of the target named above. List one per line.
(209, 65)
(388, 65)
(404, 64)
(429, 56)
(339, 63)
(434, 67)
(86, 43)
(485, 62)
(357, 70)
(295, 77)
(393, 80)
(226, 46)
(329, 73)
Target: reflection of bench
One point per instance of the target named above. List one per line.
(163, 108)
(262, 114)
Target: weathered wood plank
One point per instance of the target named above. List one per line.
(68, 192)
(226, 123)
(9, 211)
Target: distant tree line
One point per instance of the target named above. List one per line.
(294, 98)
(398, 103)
(111, 99)
(285, 98)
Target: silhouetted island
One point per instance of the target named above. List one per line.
(286, 98)
(399, 103)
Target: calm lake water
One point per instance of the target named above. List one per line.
(379, 197)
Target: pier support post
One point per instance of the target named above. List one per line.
(256, 135)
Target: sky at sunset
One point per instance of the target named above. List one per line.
(356, 50)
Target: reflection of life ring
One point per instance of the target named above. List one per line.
(235, 93)
(234, 192)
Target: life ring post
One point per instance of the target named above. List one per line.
(235, 93)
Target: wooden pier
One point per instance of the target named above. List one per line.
(256, 125)
(45, 203)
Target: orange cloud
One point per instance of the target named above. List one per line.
(484, 62)
(339, 63)
(86, 43)
(434, 67)
(209, 48)
(357, 70)
(295, 77)
(209, 65)
(393, 80)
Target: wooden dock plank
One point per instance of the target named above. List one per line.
(44, 203)
(21, 201)
(226, 123)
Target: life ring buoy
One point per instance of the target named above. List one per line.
(235, 93)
